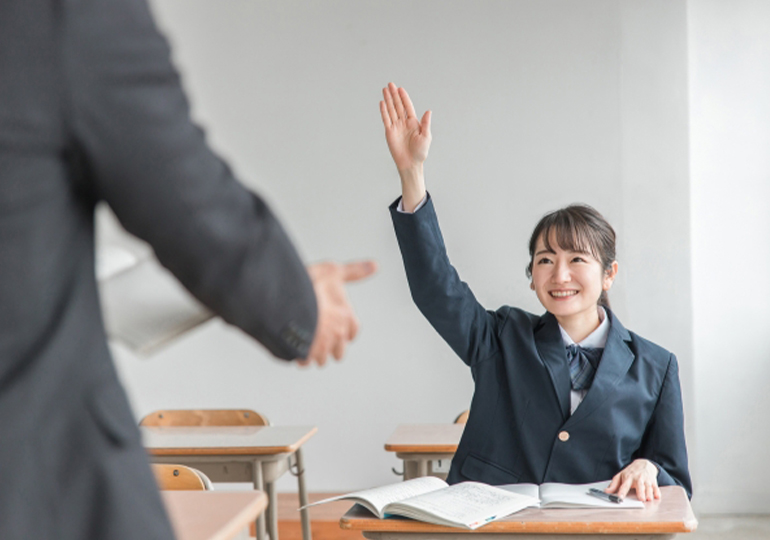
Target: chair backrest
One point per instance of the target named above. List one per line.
(205, 417)
(462, 418)
(180, 477)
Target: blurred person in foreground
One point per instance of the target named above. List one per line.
(91, 109)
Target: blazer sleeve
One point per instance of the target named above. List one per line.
(664, 441)
(445, 300)
(134, 145)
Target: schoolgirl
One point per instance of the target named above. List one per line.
(568, 396)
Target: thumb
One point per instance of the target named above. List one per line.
(358, 270)
(425, 123)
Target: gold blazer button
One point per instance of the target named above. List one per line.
(563, 436)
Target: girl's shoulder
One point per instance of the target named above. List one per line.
(517, 319)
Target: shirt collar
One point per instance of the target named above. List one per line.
(596, 339)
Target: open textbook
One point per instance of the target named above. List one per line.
(553, 495)
(467, 504)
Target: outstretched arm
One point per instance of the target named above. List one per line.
(408, 140)
(135, 147)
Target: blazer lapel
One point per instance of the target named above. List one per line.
(552, 352)
(616, 360)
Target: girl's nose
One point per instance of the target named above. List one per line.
(561, 273)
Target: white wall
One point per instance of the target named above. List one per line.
(730, 166)
(536, 104)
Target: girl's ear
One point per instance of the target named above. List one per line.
(609, 276)
(532, 285)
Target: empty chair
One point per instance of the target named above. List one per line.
(204, 417)
(179, 477)
(462, 418)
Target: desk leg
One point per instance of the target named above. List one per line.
(260, 486)
(305, 512)
(272, 511)
(410, 469)
(422, 468)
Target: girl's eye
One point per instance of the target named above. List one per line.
(544, 260)
(578, 259)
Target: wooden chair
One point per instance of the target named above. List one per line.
(462, 418)
(205, 417)
(180, 477)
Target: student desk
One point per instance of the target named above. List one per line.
(257, 454)
(211, 515)
(659, 520)
(419, 444)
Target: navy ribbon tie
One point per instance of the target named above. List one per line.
(583, 363)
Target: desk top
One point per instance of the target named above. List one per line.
(425, 438)
(212, 515)
(229, 440)
(672, 514)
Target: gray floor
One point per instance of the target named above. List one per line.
(730, 528)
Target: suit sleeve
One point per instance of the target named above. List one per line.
(445, 300)
(138, 150)
(664, 442)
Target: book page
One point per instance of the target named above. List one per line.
(467, 504)
(375, 499)
(530, 490)
(555, 495)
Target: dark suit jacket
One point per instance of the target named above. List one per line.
(91, 110)
(521, 403)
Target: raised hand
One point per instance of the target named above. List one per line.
(337, 323)
(408, 140)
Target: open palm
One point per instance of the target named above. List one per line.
(408, 138)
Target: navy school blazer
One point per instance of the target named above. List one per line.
(520, 428)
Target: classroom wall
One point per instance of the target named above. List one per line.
(729, 61)
(536, 104)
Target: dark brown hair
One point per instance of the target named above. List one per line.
(580, 228)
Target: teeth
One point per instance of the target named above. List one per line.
(562, 294)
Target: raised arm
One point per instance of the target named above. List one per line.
(408, 140)
(445, 300)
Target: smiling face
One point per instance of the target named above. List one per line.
(568, 283)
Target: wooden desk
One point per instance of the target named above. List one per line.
(257, 454)
(660, 519)
(211, 515)
(419, 444)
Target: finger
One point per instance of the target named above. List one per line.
(625, 487)
(304, 362)
(614, 485)
(353, 326)
(389, 104)
(320, 357)
(656, 491)
(338, 351)
(355, 271)
(385, 116)
(641, 489)
(650, 495)
(320, 350)
(407, 103)
(425, 123)
(397, 101)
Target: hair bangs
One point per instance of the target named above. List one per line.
(570, 234)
